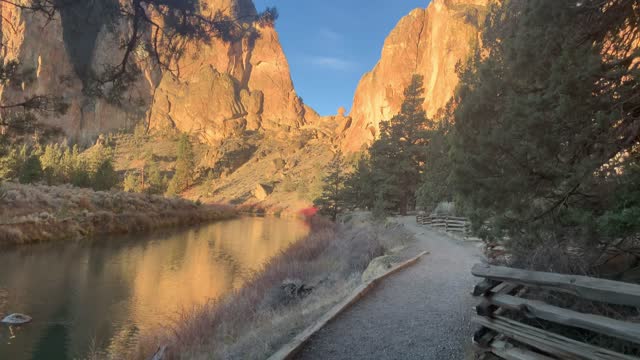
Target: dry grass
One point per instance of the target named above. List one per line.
(37, 213)
(293, 290)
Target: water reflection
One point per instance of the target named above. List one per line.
(103, 293)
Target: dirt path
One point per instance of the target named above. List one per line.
(422, 312)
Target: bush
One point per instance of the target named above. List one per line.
(379, 211)
(105, 177)
(131, 182)
(31, 170)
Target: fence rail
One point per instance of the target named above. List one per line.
(510, 337)
(446, 223)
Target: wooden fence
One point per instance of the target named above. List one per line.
(446, 223)
(509, 337)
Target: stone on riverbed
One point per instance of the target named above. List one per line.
(16, 319)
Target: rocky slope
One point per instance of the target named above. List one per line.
(223, 89)
(429, 42)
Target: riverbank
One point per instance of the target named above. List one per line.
(40, 213)
(293, 290)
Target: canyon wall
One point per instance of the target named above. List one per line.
(223, 88)
(226, 88)
(429, 42)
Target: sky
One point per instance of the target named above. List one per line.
(330, 44)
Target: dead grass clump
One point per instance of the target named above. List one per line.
(10, 235)
(293, 289)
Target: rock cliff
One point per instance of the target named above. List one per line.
(223, 89)
(55, 56)
(429, 42)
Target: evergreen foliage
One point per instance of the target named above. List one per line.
(380, 206)
(131, 182)
(185, 167)
(547, 127)
(436, 184)
(156, 182)
(59, 164)
(393, 168)
(331, 201)
(359, 187)
(31, 170)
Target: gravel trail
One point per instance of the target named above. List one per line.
(422, 312)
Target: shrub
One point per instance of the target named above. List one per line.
(105, 176)
(31, 170)
(379, 210)
(131, 182)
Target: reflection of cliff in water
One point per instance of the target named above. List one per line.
(114, 288)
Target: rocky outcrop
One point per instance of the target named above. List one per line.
(429, 42)
(54, 56)
(224, 88)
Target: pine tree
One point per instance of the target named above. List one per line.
(11, 164)
(331, 201)
(436, 184)
(31, 170)
(155, 181)
(51, 161)
(547, 126)
(379, 210)
(131, 182)
(185, 164)
(359, 187)
(105, 177)
(398, 155)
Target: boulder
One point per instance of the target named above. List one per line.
(262, 191)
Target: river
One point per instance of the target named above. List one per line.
(101, 293)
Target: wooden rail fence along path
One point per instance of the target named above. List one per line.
(447, 223)
(502, 310)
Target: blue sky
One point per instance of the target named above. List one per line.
(330, 44)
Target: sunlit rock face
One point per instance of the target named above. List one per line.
(224, 88)
(55, 55)
(429, 42)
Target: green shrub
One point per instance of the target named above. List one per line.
(31, 170)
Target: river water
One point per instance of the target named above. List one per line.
(101, 293)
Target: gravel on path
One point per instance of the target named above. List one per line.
(422, 312)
